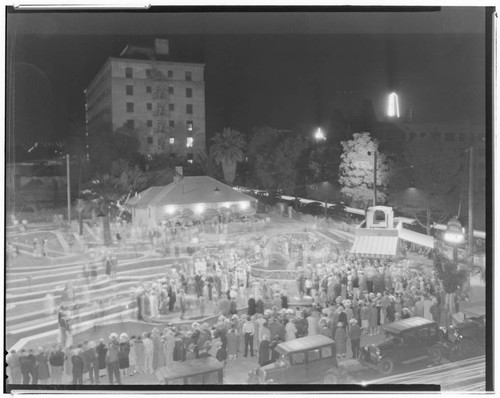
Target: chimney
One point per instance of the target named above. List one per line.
(178, 173)
(161, 46)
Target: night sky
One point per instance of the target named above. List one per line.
(289, 70)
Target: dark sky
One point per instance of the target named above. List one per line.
(287, 69)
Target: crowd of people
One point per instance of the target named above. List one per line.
(340, 297)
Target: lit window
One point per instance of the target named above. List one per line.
(170, 90)
(171, 107)
(393, 108)
(190, 161)
(171, 123)
(150, 140)
(189, 142)
(189, 125)
(189, 92)
(130, 107)
(189, 76)
(129, 72)
(130, 90)
(170, 73)
(148, 89)
(149, 106)
(189, 109)
(171, 141)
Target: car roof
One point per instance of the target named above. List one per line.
(475, 311)
(189, 368)
(304, 343)
(407, 324)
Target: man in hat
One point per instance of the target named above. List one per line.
(112, 359)
(355, 336)
(248, 331)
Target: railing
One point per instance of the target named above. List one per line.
(274, 274)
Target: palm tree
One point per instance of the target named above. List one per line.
(227, 150)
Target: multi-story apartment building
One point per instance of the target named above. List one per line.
(146, 92)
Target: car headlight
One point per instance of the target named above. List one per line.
(455, 333)
(377, 351)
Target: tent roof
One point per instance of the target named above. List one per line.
(189, 190)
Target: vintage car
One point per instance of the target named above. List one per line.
(195, 371)
(465, 338)
(407, 340)
(309, 359)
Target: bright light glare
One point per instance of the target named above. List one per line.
(319, 135)
(227, 205)
(170, 209)
(199, 208)
(453, 237)
(244, 205)
(393, 108)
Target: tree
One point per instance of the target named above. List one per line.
(451, 276)
(356, 170)
(425, 183)
(279, 169)
(227, 151)
(204, 164)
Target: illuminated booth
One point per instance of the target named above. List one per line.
(188, 198)
(380, 235)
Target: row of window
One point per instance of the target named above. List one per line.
(149, 123)
(129, 73)
(129, 90)
(159, 108)
(171, 141)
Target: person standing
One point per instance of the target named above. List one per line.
(28, 367)
(148, 353)
(291, 330)
(101, 351)
(112, 359)
(232, 344)
(251, 306)
(248, 331)
(264, 351)
(139, 351)
(355, 336)
(13, 368)
(42, 366)
(77, 362)
(123, 354)
(341, 340)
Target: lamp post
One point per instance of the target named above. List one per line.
(319, 136)
(374, 175)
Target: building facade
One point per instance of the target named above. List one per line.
(147, 93)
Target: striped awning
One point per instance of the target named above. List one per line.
(375, 246)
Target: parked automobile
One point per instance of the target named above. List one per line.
(407, 340)
(466, 337)
(195, 371)
(313, 208)
(309, 359)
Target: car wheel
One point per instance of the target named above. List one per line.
(435, 354)
(386, 366)
(330, 377)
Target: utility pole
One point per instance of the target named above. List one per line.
(375, 177)
(471, 198)
(68, 188)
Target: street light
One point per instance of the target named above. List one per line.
(319, 135)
